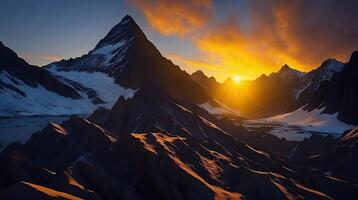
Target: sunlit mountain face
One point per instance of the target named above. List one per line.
(178, 100)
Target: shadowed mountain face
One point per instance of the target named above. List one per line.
(339, 159)
(340, 94)
(134, 62)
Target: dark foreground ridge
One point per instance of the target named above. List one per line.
(155, 146)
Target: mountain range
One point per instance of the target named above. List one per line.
(80, 85)
(156, 132)
(331, 87)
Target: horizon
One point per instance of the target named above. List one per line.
(193, 42)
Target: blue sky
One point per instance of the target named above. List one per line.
(43, 30)
(221, 37)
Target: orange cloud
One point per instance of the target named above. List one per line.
(40, 59)
(299, 33)
(247, 55)
(175, 17)
(205, 64)
(227, 51)
(305, 31)
(50, 58)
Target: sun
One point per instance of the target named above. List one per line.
(237, 79)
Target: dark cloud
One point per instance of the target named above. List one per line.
(309, 30)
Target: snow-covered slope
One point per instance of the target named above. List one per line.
(41, 101)
(104, 86)
(31, 90)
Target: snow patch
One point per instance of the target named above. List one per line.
(300, 124)
(216, 110)
(108, 49)
(314, 121)
(297, 95)
(331, 69)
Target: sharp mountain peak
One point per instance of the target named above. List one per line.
(126, 29)
(286, 68)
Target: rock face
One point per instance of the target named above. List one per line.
(340, 158)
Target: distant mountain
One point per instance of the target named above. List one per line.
(209, 84)
(265, 96)
(331, 88)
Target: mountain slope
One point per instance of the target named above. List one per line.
(27, 89)
(328, 101)
(14, 67)
(318, 76)
(336, 157)
(340, 93)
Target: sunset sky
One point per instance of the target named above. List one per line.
(223, 38)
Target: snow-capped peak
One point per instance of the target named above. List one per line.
(286, 72)
(120, 35)
(109, 55)
(332, 65)
(123, 32)
(327, 69)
